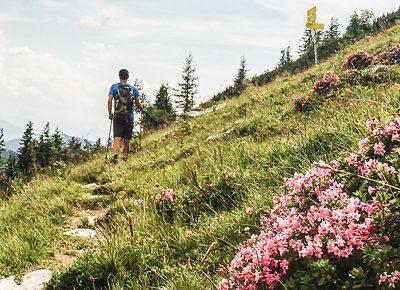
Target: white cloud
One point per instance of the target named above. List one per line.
(14, 16)
(42, 87)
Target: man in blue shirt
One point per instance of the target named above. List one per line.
(125, 96)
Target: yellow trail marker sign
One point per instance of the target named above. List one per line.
(311, 18)
(312, 15)
(316, 26)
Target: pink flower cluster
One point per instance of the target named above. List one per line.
(357, 60)
(302, 103)
(318, 216)
(392, 279)
(166, 196)
(323, 87)
(390, 56)
(326, 86)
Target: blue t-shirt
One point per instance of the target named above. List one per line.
(114, 93)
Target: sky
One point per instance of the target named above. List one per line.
(58, 59)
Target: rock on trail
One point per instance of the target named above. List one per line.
(82, 233)
(35, 280)
(220, 135)
(194, 114)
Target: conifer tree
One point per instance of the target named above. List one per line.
(26, 153)
(282, 59)
(289, 60)
(4, 181)
(74, 150)
(57, 146)
(87, 148)
(239, 83)
(98, 147)
(12, 167)
(163, 99)
(331, 39)
(188, 87)
(366, 20)
(333, 30)
(308, 43)
(142, 96)
(354, 29)
(44, 148)
(2, 147)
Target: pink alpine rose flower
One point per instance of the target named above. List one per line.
(379, 149)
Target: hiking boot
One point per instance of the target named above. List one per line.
(125, 158)
(114, 159)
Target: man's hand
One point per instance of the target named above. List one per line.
(109, 106)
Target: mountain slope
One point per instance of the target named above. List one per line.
(213, 183)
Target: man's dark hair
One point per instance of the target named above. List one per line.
(123, 74)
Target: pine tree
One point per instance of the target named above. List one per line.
(98, 147)
(87, 147)
(74, 150)
(288, 55)
(4, 181)
(282, 59)
(142, 96)
(367, 19)
(26, 153)
(331, 41)
(354, 29)
(308, 42)
(44, 148)
(307, 39)
(163, 99)
(12, 167)
(239, 83)
(57, 146)
(289, 59)
(188, 87)
(2, 147)
(333, 33)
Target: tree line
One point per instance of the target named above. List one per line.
(45, 154)
(163, 111)
(328, 42)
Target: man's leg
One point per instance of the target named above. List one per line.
(117, 142)
(128, 132)
(127, 143)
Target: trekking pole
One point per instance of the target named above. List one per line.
(140, 130)
(109, 138)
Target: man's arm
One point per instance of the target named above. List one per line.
(110, 99)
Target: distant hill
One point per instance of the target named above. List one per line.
(10, 131)
(14, 144)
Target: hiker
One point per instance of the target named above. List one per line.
(126, 98)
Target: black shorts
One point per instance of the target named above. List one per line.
(123, 127)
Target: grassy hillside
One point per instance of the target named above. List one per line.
(213, 182)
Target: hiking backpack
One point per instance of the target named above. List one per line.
(124, 101)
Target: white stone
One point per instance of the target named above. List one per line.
(220, 135)
(92, 220)
(194, 114)
(82, 233)
(137, 202)
(8, 284)
(89, 186)
(36, 280)
(75, 253)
